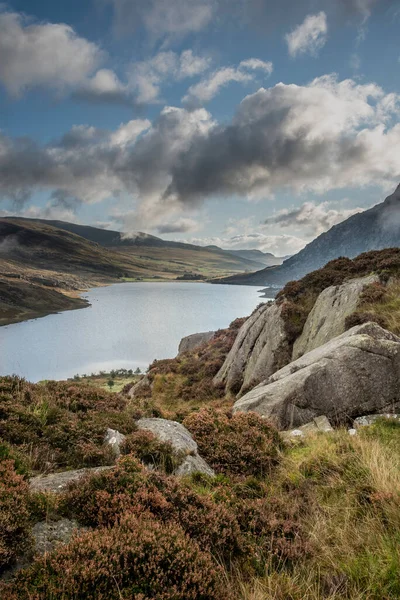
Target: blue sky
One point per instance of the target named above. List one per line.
(247, 124)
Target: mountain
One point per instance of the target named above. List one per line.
(264, 258)
(43, 267)
(247, 260)
(373, 229)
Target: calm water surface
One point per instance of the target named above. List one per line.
(127, 326)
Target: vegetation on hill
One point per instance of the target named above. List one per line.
(314, 519)
(378, 303)
(322, 521)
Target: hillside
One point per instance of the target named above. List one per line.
(247, 260)
(40, 263)
(306, 515)
(373, 229)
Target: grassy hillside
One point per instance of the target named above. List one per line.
(316, 519)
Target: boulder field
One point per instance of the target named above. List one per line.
(354, 374)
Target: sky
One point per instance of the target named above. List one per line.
(246, 124)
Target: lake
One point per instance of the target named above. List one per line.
(127, 326)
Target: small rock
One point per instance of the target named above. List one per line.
(114, 438)
(57, 482)
(352, 431)
(194, 464)
(181, 440)
(370, 419)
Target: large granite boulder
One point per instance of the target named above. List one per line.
(354, 374)
(260, 348)
(181, 440)
(191, 342)
(327, 318)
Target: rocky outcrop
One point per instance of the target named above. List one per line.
(354, 374)
(328, 316)
(191, 342)
(114, 439)
(57, 482)
(260, 348)
(181, 440)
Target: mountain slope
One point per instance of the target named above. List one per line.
(248, 260)
(373, 229)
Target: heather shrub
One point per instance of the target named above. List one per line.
(101, 499)
(14, 514)
(139, 559)
(237, 444)
(145, 446)
(180, 385)
(59, 425)
(298, 297)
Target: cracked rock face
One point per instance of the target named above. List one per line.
(260, 348)
(328, 316)
(354, 374)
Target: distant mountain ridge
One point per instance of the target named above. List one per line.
(253, 259)
(373, 229)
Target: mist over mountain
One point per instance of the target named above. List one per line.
(373, 229)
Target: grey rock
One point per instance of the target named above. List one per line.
(366, 420)
(48, 535)
(317, 425)
(181, 440)
(114, 438)
(142, 386)
(191, 342)
(194, 464)
(57, 482)
(357, 372)
(327, 318)
(260, 348)
(170, 431)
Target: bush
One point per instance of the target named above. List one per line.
(151, 451)
(101, 499)
(139, 559)
(14, 514)
(236, 444)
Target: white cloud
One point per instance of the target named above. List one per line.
(36, 54)
(181, 225)
(147, 77)
(256, 63)
(164, 20)
(202, 92)
(279, 245)
(309, 37)
(312, 219)
(326, 135)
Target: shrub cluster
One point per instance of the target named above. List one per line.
(59, 425)
(139, 559)
(101, 499)
(151, 451)
(236, 444)
(179, 385)
(14, 514)
(298, 297)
